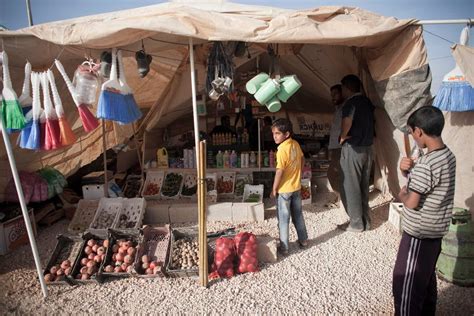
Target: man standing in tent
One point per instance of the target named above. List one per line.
(357, 132)
(334, 171)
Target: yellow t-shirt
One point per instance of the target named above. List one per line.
(289, 157)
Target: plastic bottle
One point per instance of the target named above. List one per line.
(226, 158)
(242, 160)
(233, 159)
(271, 159)
(219, 160)
(253, 159)
(86, 85)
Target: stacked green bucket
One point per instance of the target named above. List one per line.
(456, 261)
(270, 92)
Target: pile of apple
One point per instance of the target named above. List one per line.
(94, 254)
(58, 272)
(123, 256)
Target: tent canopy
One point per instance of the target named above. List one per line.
(320, 45)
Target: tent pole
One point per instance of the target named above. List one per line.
(24, 210)
(104, 148)
(469, 22)
(200, 173)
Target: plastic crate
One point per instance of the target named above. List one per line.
(253, 193)
(131, 215)
(153, 178)
(67, 248)
(190, 233)
(95, 278)
(305, 191)
(211, 187)
(83, 216)
(189, 189)
(114, 236)
(155, 243)
(106, 216)
(225, 183)
(172, 184)
(241, 180)
(133, 186)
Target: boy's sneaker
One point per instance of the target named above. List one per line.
(303, 243)
(282, 251)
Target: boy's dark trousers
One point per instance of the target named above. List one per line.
(414, 277)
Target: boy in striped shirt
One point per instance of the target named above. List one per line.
(428, 204)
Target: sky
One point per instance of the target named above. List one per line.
(438, 38)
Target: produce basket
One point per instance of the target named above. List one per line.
(106, 216)
(240, 181)
(253, 193)
(83, 216)
(153, 184)
(119, 241)
(133, 185)
(211, 187)
(172, 185)
(67, 248)
(189, 189)
(155, 244)
(305, 191)
(179, 236)
(225, 183)
(76, 270)
(131, 215)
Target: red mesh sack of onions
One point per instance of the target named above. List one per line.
(246, 248)
(224, 257)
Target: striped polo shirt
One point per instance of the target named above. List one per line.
(433, 177)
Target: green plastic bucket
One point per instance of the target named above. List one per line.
(267, 91)
(273, 105)
(254, 84)
(289, 86)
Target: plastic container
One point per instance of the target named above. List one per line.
(233, 159)
(273, 105)
(83, 216)
(267, 91)
(106, 216)
(67, 248)
(219, 160)
(254, 84)
(155, 244)
(253, 193)
(289, 86)
(131, 216)
(86, 84)
(162, 158)
(226, 158)
(153, 183)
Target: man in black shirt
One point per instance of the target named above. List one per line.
(357, 132)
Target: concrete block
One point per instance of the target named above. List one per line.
(239, 212)
(156, 212)
(267, 249)
(180, 213)
(395, 215)
(256, 212)
(219, 212)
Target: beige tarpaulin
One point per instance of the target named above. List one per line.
(389, 55)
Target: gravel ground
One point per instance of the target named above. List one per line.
(343, 273)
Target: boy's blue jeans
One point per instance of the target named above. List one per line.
(290, 204)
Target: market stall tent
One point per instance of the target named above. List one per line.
(322, 44)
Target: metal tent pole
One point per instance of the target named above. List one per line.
(24, 210)
(469, 22)
(201, 177)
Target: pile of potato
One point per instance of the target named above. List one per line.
(94, 254)
(185, 254)
(123, 257)
(104, 220)
(150, 265)
(58, 272)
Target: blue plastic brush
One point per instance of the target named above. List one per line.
(34, 135)
(112, 103)
(132, 111)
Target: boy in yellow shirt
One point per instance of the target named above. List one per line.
(287, 184)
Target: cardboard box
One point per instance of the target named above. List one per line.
(13, 233)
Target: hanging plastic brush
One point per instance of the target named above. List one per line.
(25, 98)
(134, 112)
(52, 133)
(456, 94)
(89, 121)
(67, 136)
(34, 136)
(114, 105)
(11, 110)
